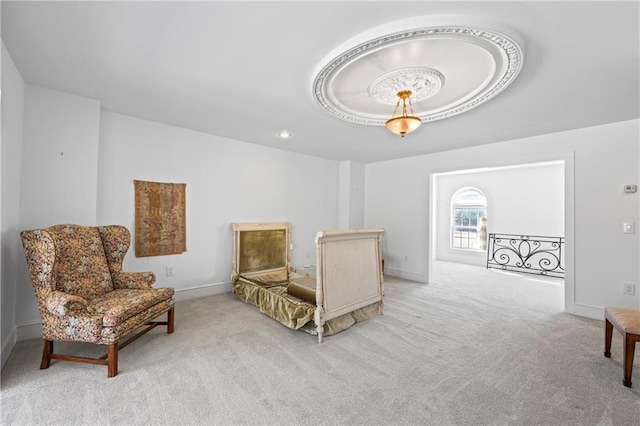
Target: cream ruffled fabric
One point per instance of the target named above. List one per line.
(278, 303)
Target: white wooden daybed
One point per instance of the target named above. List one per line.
(346, 287)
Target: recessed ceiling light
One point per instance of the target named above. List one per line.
(284, 134)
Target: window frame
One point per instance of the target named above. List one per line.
(457, 205)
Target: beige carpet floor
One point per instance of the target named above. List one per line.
(476, 347)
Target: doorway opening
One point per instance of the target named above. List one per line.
(526, 201)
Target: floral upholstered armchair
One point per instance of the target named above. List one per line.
(84, 296)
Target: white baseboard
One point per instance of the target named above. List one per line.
(29, 331)
(585, 311)
(7, 347)
(202, 291)
(478, 260)
(405, 275)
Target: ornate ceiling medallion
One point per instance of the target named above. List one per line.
(359, 83)
(423, 83)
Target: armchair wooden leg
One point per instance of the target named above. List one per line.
(46, 354)
(112, 360)
(170, 318)
(608, 334)
(629, 347)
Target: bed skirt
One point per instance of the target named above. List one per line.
(276, 302)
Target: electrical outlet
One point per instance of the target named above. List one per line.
(629, 227)
(169, 271)
(629, 289)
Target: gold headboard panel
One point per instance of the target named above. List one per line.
(260, 247)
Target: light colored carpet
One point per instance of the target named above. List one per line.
(476, 347)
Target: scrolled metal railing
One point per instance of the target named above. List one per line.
(526, 253)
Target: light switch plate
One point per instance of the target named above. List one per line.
(629, 227)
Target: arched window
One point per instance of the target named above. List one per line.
(469, 219)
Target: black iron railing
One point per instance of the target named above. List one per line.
(526, 253)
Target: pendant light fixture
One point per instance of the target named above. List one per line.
(404, 123)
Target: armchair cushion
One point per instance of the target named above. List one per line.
(118, 305)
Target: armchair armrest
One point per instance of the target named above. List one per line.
(61, 304)
(133, 280)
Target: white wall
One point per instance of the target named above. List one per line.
(351, 195)
(58, 179)
(599, 258)
(60, 158)
(10, 154)
(523, 200)
(227, 181)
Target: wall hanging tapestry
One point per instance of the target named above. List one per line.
(160, 218)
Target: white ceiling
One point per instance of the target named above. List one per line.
(244, 70)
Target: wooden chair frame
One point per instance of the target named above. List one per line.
(110, 359)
